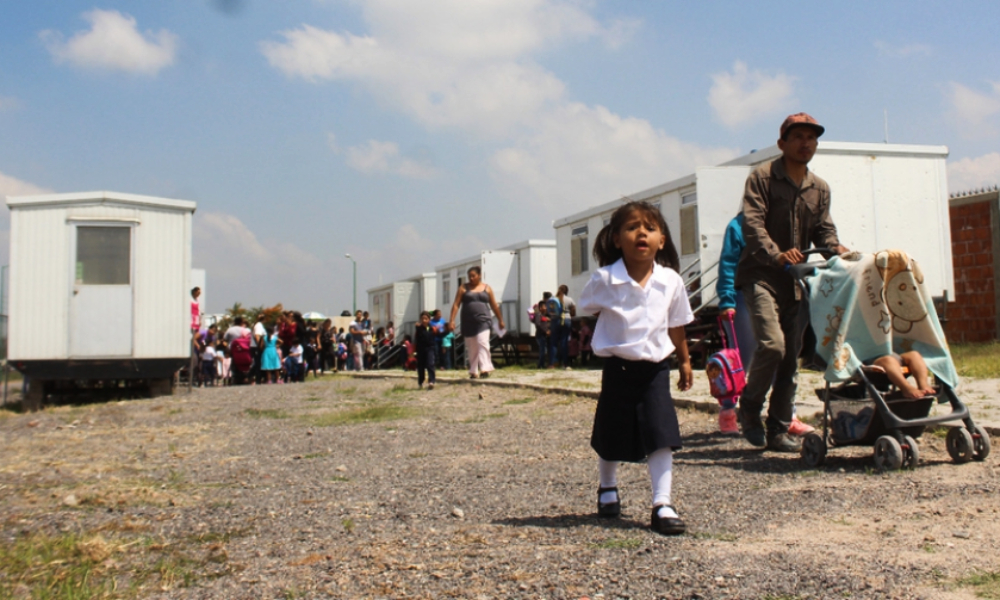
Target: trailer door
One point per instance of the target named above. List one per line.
(100, 307)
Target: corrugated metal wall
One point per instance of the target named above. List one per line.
(39, 284)
(162, 274)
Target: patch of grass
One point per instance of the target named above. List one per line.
(347, 524)
(399, 388)
(370, 414)
(719, 536)
(417, 454)
(313, 399)
(75, 566)
(215, 537)
(340, 479)
(520, 401)
(175, 479)
(315, 455)
(986, 585)
(980, 361)
(483, 418)
(347, 390)
(629, 543)
(66, 566)
(266, 413)
(928, 547)
(175, 411)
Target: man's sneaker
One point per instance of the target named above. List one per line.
(752, 428)
(799, 429)
(783, 442)
(727, 422)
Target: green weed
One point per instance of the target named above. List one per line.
(315, 455)
(980, 361)
(483, 418)
(619, 543)
(371, 414)
(266, 413)
(520, 401)
(348, 524)
(340, 479)
(313, 399)
(986, 584)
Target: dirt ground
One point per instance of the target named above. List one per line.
(369, 488)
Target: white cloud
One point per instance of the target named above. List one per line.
(974, 112)
(584, 156)
(384, 157)
(973, 173)
(902, 50)
(469, 67)
(744, 96)
(113, 43)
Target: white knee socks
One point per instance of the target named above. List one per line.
(661, 464)
(608, 472)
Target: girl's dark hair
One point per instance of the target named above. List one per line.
(604, 247)
(476, 269)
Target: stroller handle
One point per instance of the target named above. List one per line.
(805, 269)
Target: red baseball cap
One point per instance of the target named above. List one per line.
(801, 119)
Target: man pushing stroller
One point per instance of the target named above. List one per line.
(786, 209)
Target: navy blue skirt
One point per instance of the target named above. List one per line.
(635, 412)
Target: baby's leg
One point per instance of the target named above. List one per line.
(894, 371)
(918, 368)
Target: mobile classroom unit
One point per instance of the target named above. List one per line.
(401, 302)
(518, 274)
(882, 196)
(99, 290)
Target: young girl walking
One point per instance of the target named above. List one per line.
(642, 307)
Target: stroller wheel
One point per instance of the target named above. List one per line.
(960, 445)
(980, 443)
(911, 452)
(888, 454)
(813, 450)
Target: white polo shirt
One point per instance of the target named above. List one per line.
(633, 320)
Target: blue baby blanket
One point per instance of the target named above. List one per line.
(863, 306)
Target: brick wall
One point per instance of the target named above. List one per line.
(972, 316)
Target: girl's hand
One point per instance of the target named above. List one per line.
(686, 377)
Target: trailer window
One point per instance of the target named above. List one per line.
(103, 255)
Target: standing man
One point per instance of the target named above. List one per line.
(543, 327)
(786, 209)
(358, 337)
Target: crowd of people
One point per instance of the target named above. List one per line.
(280, 348)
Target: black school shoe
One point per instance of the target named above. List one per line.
(666, 525)
(611, 509)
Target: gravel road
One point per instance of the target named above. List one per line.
(369, 488)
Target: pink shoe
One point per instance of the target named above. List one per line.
(798, 428)
(727, 421)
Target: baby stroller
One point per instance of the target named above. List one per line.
(861, 304)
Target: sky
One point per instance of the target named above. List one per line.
(411, 134)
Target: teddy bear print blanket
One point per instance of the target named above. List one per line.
(863, 306)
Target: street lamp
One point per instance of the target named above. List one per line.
(348, 256)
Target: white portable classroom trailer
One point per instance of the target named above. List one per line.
(99, 288)
(882, 196)
(402, 302)
(518, 274)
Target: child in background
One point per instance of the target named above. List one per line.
(270, 362)
(447, 346)
(425, 338)
(208, 365)
(641, 306)
(222, 362)
(294, 369)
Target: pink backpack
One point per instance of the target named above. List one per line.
(726, 376)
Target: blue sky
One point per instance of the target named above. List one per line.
(414, 133)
